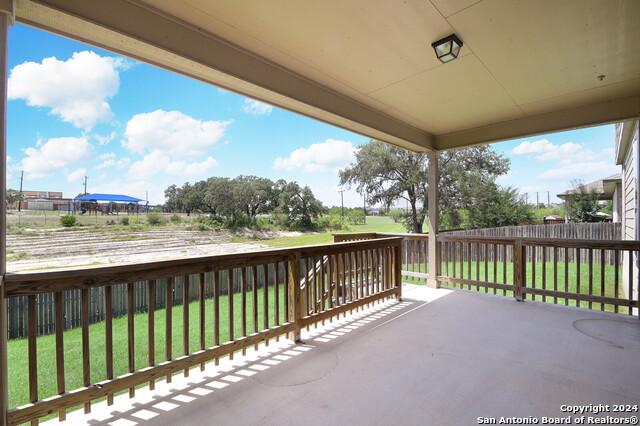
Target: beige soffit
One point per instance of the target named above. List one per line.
(526, 67)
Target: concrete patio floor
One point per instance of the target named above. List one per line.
(440, 357)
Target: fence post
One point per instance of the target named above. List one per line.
(518, 269)
(397, 252)
(295, 301)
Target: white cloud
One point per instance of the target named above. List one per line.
(107, 155)
(329, 156)
(256, 107)
(584, 171)
(76, 89)
(538, 146)
(53, 155)
(565, 153)
(74, 176)
(106, 163)
(103, 140)
(156, 162)
(123, 163)
(173, 133)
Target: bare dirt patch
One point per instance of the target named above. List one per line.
(58, 248)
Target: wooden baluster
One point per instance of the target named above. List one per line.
(169, 323)
(276, 297)
(216, 311)
(486, 266)
(86, 367)
(33, 351)
(555, 273)
(59, 321)
(602, 271)
(230, 291)
(243, 285)
(534, 266)
(151, 312)
(590, 276)
(519, 272)
(477, 265)
(578, 302)
(323, 271)
(265, 299)
(131, 335)
(108, 327)
(495, 267)
(254, 282)
(544, 272)
(630, 291)
(185, 319)
(566, 274)
(202, 296)
(616, 278)
(504, 268)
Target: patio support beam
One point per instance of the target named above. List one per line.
(6, 19)
(432, 206)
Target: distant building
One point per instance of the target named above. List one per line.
(607, 189)
(43, 200)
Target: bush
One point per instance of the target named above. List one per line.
(396, 215)
(124, 221)
(356, 217)
(333, 223)
(175, 218)
(111, 222)
(154, 219)
(68, 220)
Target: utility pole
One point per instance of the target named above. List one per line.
(342, 200)
(526, 198)
(548, 200)
(85, 185)
(537, 201)
(20, 200)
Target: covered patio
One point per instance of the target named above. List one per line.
(437, 357)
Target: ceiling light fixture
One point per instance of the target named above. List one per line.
(448, 48)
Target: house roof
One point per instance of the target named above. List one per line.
(526, 68)
(604, 187)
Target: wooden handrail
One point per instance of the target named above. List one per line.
(302, 287)
(26, 283)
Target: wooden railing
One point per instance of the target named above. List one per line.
(279, 292)
(593, 274)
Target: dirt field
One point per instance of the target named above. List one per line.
(62, 248)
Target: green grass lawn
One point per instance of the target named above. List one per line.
(374, 224)
(18, 359)
(571, 282)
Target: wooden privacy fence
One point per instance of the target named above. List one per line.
(45, 303)
(573, 231)
(310, 284)
(535, 268)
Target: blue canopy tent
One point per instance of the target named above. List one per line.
(107, 197)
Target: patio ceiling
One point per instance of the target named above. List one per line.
(526, 67)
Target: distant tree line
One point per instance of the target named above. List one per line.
(239, 201)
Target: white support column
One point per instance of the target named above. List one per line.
(6, 19)
(432, 201)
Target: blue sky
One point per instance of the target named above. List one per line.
(76, 111)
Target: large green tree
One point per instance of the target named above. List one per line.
(497, 206)
(385, 173)
(298, 204)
